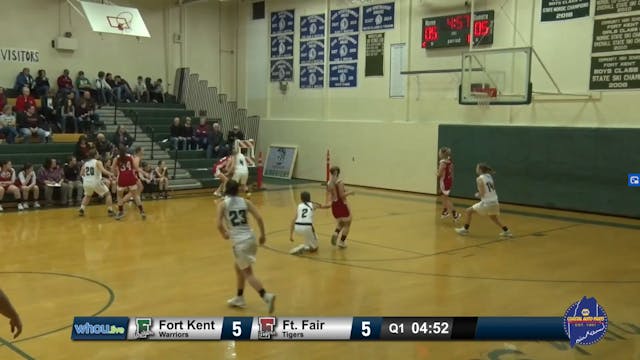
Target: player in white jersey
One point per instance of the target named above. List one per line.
(488, 204)
(91, 173)
(302, 224)
(238, 166)
(233, 224)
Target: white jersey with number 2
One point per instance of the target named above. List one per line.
(490, 194)
(241, 163)
(305, 214)
(237, 215)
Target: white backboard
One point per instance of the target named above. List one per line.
(113, 19)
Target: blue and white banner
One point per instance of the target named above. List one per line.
(312, 26)
(282, 70)
(312, 52)
(344, 48)
(312, 76)
(282, 22)
(343, 75)
(378, 17)
(282, 46)
(345, 21)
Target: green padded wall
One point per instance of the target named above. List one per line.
(583, 169)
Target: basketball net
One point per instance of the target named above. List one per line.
(482, 98)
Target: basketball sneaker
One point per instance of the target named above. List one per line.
(270, 300)
(236, 301)
(298, 250)
(342, 244)
(143, 215)
(444, 215)
(36, 205)
(111, 213)
(506, 234)
(20, 207)
(119, 216)
(1, 209)
(457, 217)
(334, 239)
(462, 231)
(81, 212)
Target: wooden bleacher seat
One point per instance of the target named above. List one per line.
(65, 138)
(12, 102)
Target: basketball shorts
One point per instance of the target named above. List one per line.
(245, 252)
(241, 177)
(445, 186)
(339, 210)
(487, 208)
(308, 233)
(99, 188)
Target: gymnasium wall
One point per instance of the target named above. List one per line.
(570, 168)
(311, 118)
(208, 42)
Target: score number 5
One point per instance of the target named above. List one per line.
(236, 328)
(366, 328)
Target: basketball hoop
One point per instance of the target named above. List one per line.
(122, 21)
(483, 99)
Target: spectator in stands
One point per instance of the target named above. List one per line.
(8, 124)
(122, 138)
(65, 84)
(73, 181)
(122, 89)
(49, 177)
(7, 183)
(27, 183)
(161, 174)
(188, 135)
(148, 180)
(24, 79)
(31, 124)
(82, 148)
(68, 114)
(175, 134)
(202, 133)
(104, 147)
(103, 90)
(42, 87)
(157, 92)
(83, 84)
(86, 114)
(140, 90)
(234, 134)
(24, 99)
(216, 147)
(109, 79)
(3, 98)
(112, 185)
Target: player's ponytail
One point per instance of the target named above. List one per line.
(122, 152)
(485, 169)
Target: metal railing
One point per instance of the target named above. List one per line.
(115, 111)
(151, 132)
(175, 162)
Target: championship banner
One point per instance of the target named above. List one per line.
(554, 10)
(343, 75)
(374, 60)
(345, 21)
(378, 17)
(312, 76)
(604, 7)
(282, 46)
(312, 52)
(282, 22)
(19, 55)
(282, 70)
(312, 26)
(343, 48)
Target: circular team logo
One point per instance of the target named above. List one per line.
(343, 78)
(282, 24)
(313, 28)
(281, 74)
(344, 50)
(282, 48)
(312, 54)
(585, 322)
(344, 24)
(312, 79)
(379, 19)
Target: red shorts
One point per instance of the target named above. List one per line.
(339, 209)
(127, 179)
(446, 185)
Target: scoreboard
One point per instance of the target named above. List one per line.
(320, 328)
(454, 30)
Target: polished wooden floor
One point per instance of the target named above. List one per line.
(402, 260)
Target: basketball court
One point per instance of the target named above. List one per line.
(402, 260)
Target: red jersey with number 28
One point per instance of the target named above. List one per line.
(126, 175)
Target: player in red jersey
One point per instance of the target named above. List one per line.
(125, 168)
(7, 183)
(339, 208)
(218, 172)
(445, 183)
